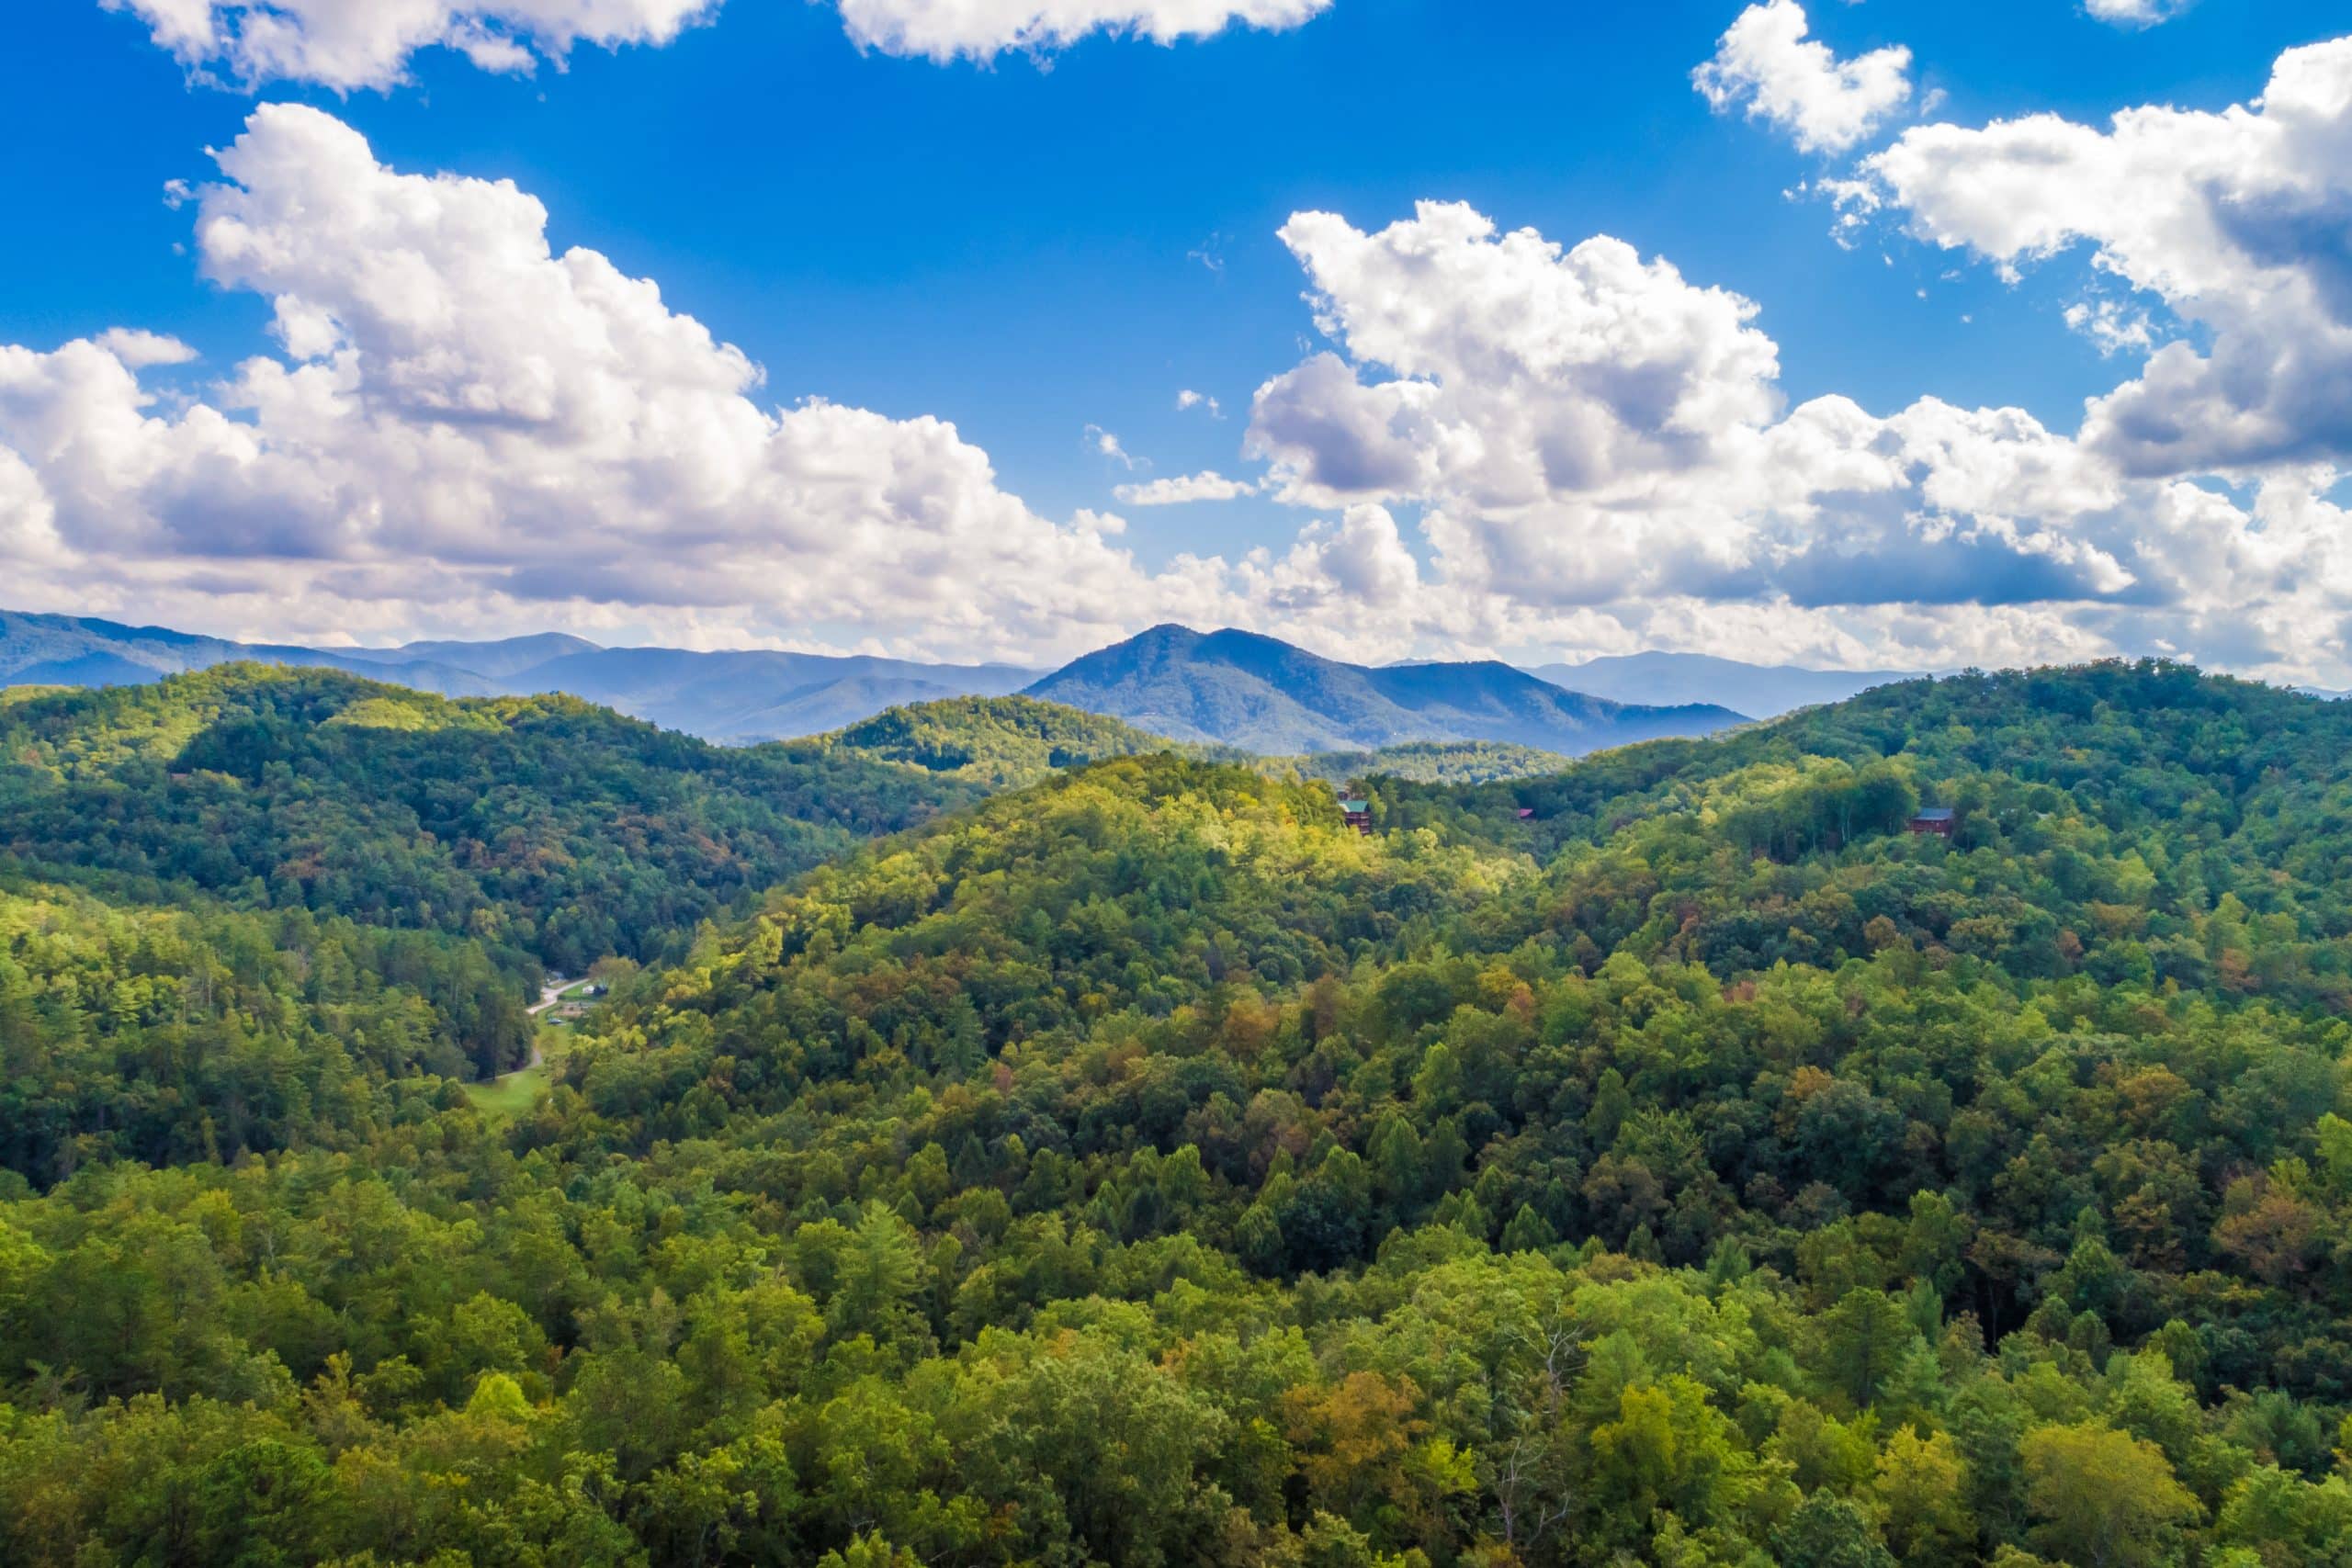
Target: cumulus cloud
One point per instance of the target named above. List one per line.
(464, 419)
(945, 31)
(349, 45)
(2234, 222)
(1767, 64)
(1106, 443)
(352, 44)
(1209, 486)
(2115, 328)
(143, 350)
(1596, 442)
(1189, 400)
(1508, 444)
(2136, 13)
(1503, 368)
(463, 429)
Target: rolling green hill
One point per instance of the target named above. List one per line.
(993, 742)
(1142, 1167)
(540, 824)
(172, 1037)
(1433, 762)
(1005, 743)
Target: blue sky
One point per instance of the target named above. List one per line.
(1038, 247)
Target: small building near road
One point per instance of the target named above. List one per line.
(1936, 819)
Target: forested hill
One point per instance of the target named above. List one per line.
(1143, 1167)
(1004, 742)
(994, 742)
(172, 1037)
(2123, 804)
(1429, 762)
(541, 825)
(1239, 689)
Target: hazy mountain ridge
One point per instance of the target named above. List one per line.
(1223, 688)
(1762, 690)
(497, 660)
(76, 650)
(1240, 689)
(753, 694)
(733, 697)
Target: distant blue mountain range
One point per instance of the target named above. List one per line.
(734, 697)
(1229, 687)
(1760, 691)
(1266, 695)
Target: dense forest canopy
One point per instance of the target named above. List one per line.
(1433, 762)
(169, 1035)
(1143, 1167)
(542, 825)
(1006, 742)
(996, 742)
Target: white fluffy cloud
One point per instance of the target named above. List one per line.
(1768, 64)
(1597, 443)
(353, 44)
(2136, 13)
(2235, 221)
(463, 421)
(981, 29)
(1505, 370)
(1209, 486)
(1514, 445)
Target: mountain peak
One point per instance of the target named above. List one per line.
(1246, 689)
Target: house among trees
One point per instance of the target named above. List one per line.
(1358, 811)
(1936, 819)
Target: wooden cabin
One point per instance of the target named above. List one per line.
(1936, 819)
(1358, 811)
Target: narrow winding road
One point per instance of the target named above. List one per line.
(549, 994)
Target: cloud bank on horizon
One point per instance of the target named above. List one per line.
(1510, 442)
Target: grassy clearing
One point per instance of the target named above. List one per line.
(518, 1091)
(512, 1095)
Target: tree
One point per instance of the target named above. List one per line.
(1921, 1498)
(1827, 1531)
(2100, 1498)
(1529, 1232)
(1861, 1341)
